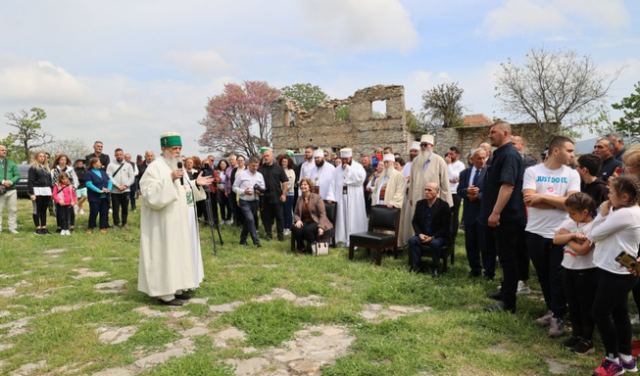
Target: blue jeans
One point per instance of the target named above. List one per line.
(249, 209)
(288, 212)
(418, 249)
(99, 207)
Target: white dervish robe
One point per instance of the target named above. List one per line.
(427, 167)
(406, 170)
(324, 178)
(394, 185)
(351, 216)
(170, 258)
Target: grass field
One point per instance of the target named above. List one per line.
(54, 320)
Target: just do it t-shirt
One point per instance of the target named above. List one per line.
(545, 222)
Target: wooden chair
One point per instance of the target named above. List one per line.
(382, 233)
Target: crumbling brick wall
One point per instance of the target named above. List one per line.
(338, 123)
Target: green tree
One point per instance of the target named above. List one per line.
(308, 95)
(629, 123)
(443, 105)
(29, 134)
(10, 143)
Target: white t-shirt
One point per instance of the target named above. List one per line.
(617, 232)
(545, 222)
(455, 169)
(570, 259)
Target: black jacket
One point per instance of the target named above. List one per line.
(104, 160)
(38, 177)
(471, 210)
(440, 219)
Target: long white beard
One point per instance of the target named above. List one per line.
(172, 162)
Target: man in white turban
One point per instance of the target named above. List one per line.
(389, 187)
(414, 150)
(323, 176)
(427, 167)
(351, 214)
(170, 258)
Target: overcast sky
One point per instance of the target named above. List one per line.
(123, 71)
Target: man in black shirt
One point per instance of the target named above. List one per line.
(589, 169)
(97, 153)
(431, 223)
(605, 150)
(503, 210)
(273, 199)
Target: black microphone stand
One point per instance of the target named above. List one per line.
(213, 225)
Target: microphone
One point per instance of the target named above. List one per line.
(180, 168)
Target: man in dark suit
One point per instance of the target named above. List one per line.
(470, 189)
(431, 222)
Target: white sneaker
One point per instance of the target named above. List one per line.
(13, 231)
(545, 320)
(287, 232)
(523, 288)
(556, 327)
(81, 211)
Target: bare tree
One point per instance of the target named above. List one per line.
(553, 87)
(29, 134)
(443, 105)
(73, 148)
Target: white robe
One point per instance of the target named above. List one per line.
(170, 258)
(324, 177)
(351, 214)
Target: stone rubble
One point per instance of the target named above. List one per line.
(88, 273)
(113, 336)
(222, 338)
(376, 313)
(29, 369)
(116, 286)
(55, 251)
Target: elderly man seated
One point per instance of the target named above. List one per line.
(431, 226)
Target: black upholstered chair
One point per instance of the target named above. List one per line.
(382, 234)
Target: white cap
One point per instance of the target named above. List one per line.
(346, 153)
(389, 157)
(415, 145)
(318, 153)
(427, 138)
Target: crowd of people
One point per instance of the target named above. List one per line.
(573, 218)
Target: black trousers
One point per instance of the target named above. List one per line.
(225, 206)
(611, 312)
(271, 211)
(249, 210)
(133, 189)
(60, 219)
(120, 205)
(508, 238)
(523, 262)
(99, 207)
(547, 259)
(308, 233)
(580, 288)
(479, 255)
(40, 210)
(455, 220)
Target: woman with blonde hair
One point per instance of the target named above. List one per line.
(39, 185)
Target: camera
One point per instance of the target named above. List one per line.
(258, 189)
(206, 170)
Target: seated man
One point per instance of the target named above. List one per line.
(431, 225)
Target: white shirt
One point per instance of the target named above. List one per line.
(559, 182)
(570, 259)
(618, 232)
(306, 169)
(246, 179)
(406, 170)
(125, 175)
(454, 170)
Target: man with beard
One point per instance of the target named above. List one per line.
(389, 187)
(275, 195)
(414, 150)
(122, 175)
(426, 167)
(170, 258)
(351, 214)
(323, 176)
(306, 167)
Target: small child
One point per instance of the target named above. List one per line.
(579, 275)
(64, 196)
(616, 229)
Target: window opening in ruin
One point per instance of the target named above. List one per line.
(342, 112)
(379, 109)
(292, 119)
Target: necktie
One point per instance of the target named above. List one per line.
(476, 177)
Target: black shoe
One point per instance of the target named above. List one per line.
(280, 237)
(496, 295)
(435, 273)
(174, 302)
(583, 346)
(571, 341)
(499, 307)
(243, 242)
(184, 296)
(474, 274)
(45, 231)
(258, 245)
(268, 238)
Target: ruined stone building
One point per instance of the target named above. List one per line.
(339, 123)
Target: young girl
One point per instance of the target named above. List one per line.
(579, 275)
(64, 196)
(616, 229)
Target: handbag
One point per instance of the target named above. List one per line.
(320, 248)
(3, 189)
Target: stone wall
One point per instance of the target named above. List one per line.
(468, 138)
(349, 122)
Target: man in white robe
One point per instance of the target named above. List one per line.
(389, 187)
(323, 176)
(170, 259)
(351, 214)
(427, 167)
(413, 153)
